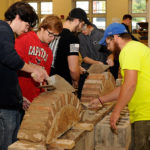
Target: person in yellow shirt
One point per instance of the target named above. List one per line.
(134, 62)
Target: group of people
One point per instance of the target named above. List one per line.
(29, 59)
(25, 62)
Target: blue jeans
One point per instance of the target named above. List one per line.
(9, 125)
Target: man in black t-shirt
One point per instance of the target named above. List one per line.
(66, 59)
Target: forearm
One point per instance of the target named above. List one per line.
(111, 96)
(90, 61)
(125, 96)
(74, 67)
(38, 73)
(75, 78)
(75, 73)
(127, 89)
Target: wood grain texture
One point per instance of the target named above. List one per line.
(50, 115)
(97, 85)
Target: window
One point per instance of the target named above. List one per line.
(135, 20)
(95, 9)
(34, 5)
(84, 5)
(138, 6)
(99, 22)
(138, 10)
(42, 7)
(46, 8)
(99, 7)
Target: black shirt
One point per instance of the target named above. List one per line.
(10, 63)
(68, 45)
(127, 28)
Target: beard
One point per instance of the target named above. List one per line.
(116, 51)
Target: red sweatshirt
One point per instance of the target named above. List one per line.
(32, 51)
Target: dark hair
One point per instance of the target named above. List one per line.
(125, 36)
(51, 22)
(79, 14)
(25, 12)
(127, 16)
(71, 19)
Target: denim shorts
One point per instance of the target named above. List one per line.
(9, 125)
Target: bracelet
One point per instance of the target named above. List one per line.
(100, 101)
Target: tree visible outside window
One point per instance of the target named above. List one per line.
(138, 10)
(138, 6)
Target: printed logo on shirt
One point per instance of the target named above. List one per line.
(74, 48)
(39, 52)
(38, 61)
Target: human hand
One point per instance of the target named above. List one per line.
(110, 62)
(113, 119)
(26, 103)
(82, 70)
(75, 84)
(39, 74)
(94, 102)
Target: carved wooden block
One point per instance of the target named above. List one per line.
(96, 85)
(26, 146)
(97, 68)
(53, 113)
(50, 115)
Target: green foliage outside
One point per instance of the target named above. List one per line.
(138, 6)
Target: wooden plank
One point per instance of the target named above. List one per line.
(94, 116)
(21, 145)
(84, 126)
(74, 134)
(63, 143)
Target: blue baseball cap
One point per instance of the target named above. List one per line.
(112, 29)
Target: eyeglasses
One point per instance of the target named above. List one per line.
(108, 43)
(50, 34)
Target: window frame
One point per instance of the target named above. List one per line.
(134, 15)
(90, 15)
(39, 7)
